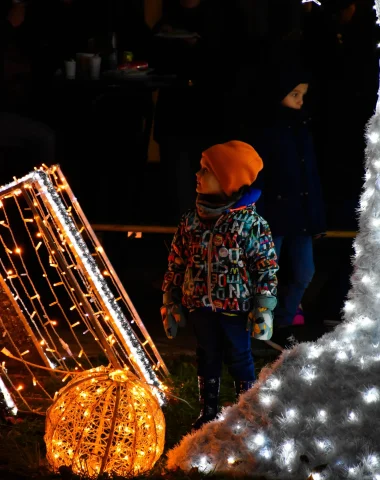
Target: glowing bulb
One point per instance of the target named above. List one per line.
(288, 451)
(259, 440)
(231, 460)
(324, 444)
(322, 414)
(342, 356)
(350, 327)
(266, 399)
(366, 279)
(315, 351)
(316, 476)
(349, 306)
(365, 321)
(371, 395)
(18, 250)
(291, 414)
(373, 460)
(352, 471)
(266, 453)
(308, 373)
(274, 383)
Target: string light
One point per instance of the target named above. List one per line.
(115, 423)
(317, 2)
(37, 310)
(303, 415)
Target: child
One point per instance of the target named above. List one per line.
(292, 198)
(223, 265)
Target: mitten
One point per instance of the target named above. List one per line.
(260, 319)
(172, 314)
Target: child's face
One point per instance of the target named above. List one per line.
(207, 183)
(295, 98)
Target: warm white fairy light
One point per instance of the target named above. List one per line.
(105, 293)
(92, 270)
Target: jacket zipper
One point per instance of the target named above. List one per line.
(209, 258)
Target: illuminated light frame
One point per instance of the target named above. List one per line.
(54, 204)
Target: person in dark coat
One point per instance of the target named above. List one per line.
(292, 197)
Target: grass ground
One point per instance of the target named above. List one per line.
(22, 448)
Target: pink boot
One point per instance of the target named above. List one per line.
(299, 318)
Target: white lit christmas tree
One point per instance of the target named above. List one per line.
(315, 413)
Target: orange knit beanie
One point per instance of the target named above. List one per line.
(234, 164)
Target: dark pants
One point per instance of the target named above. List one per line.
(222, 338)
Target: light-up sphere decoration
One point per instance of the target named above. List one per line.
(105, 421)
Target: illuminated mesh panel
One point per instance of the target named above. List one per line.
(60, 278)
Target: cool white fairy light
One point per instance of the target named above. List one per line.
(317, 2)
(259, 440)
(371, 395)
(7, 397)
(337, 401)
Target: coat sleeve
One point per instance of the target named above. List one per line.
(262, 260)
(177, 261)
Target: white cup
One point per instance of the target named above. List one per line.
(95, 63)
(70, 68)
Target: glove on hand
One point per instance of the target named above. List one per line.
(172, 314)
(260, 320)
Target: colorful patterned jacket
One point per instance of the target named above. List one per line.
(222, 265)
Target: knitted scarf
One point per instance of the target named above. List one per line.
(211, 207)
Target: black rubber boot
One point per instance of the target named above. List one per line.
(242, 386)
(208, 398)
